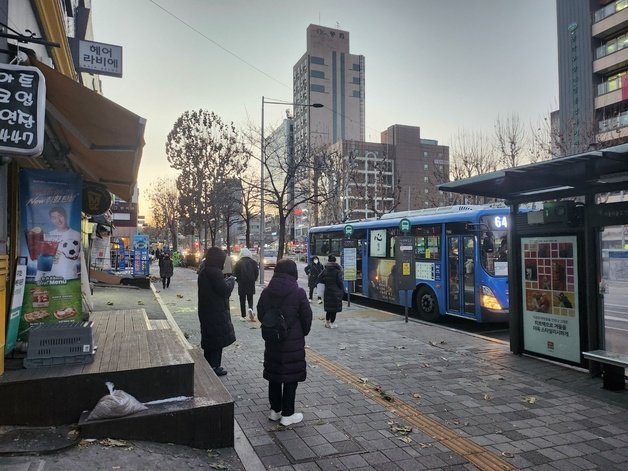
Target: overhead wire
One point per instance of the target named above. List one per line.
(244, 61)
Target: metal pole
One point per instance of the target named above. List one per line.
(405, 303)
(261, 204)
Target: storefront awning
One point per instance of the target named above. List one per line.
(589, 173)
(104, 140)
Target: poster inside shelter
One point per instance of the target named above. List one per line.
(50, 239)
(551, 318)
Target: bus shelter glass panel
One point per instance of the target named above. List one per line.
(614, 288)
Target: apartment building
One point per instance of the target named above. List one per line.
(399, 173)
(593, 73)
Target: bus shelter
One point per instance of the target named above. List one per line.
(568, 263)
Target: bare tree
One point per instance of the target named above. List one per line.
(249, 202)
(288, 182)
(510, 137)
(163, 197)
(470, 154)
(208, 152)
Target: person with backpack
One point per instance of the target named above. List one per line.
(246, 273)
(313, 271)
(286, 317)
(331, 277)
(213, 309)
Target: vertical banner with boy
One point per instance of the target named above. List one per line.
(50, 238)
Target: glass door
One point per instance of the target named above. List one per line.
(461, 275)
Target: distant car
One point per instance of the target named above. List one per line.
(270, 259)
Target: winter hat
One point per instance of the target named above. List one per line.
(214, 257)
(245, 253)
(285, 265)
(331, 258)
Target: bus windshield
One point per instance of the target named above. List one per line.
(494, 244)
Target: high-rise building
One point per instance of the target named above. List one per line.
(330, 75)
(592, 73)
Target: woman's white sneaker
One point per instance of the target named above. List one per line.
(274, 416)
(291, 419)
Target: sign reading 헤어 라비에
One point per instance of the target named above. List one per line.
(97, 58)
(22, 110)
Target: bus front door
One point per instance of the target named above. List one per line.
(461, 275)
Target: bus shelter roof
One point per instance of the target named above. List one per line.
(589, 173)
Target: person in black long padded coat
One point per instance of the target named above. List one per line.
(214, 291)
(334, 290)
(284, 362)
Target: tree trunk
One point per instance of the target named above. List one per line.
(282, 237)
(173, 234)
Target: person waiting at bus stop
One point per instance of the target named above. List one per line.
(313, 270)
(331, 277)
(284, 362)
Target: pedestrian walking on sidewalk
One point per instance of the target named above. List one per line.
(331, 277)
(166, 269)
(227, 269)
(246, 272)
(313, 270)
(214, 291)
(284, 362)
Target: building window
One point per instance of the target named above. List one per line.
(356, 80)
(317, 88)
(425, 166)
(317, 60)
(425, 179)
(356, 66)
(356, 93)
(317, 74)
(424, 153)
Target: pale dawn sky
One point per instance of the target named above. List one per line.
(441, 65)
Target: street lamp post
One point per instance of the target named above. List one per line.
(263, 162)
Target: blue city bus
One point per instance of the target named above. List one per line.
(460, 258)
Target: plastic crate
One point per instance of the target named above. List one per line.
(66, 343)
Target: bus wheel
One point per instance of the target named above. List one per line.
(427, 304)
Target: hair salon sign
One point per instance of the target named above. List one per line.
(22, 108)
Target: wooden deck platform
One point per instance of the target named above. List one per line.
(149, 363)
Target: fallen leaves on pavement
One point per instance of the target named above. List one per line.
(529, 399)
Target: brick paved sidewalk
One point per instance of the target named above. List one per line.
(484, 401)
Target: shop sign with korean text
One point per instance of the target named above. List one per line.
(22, 110)
(97, 58)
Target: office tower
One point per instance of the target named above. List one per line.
(330, 75)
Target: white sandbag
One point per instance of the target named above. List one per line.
(115, 404)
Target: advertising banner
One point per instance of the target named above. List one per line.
(13, 323)
(141, 263)
(382, 280)
(101, 253)
(50, 239)
(551, 316)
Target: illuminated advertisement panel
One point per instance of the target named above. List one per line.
(551, 321)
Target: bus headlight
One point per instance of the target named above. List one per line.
(488, 299)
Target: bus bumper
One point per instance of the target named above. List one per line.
(494, 315)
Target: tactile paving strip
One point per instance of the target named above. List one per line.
(483, 459)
